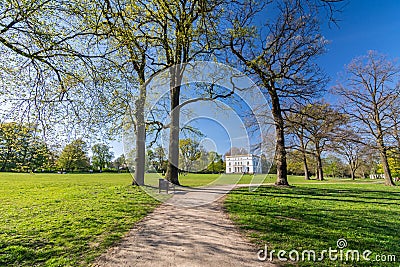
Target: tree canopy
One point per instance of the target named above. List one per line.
(74, 157)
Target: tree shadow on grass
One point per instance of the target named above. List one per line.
(315, 218)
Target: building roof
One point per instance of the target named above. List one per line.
(244, 155)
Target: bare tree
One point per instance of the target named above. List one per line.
(320, 124)
(233, 151)
(349, 145)
(395, 133)
(295, 126)
(370, 89)
(280, 58)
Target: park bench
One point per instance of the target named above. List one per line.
(165, 185)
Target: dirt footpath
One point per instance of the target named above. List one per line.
(183, 236)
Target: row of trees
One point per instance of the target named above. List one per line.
(22, 149)
(112, 49)
(192, 158)
(362, 127)
(90, 62)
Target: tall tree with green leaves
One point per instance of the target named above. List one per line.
(102, 156)
(120, 163)
(50, 59)
(136, 33)
(21, 149)
(186, 31)
(216, 164)
(190, 151)
(160, 155)
(74, 157)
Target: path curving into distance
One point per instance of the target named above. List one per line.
(185, 235)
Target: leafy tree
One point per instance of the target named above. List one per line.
(47, 58)
(120, 163)
(132, 35)
(160, 159)
(11, 135)
(74, 157)
(369, 163)
(295, 163)
(187, 31)
(190, 151)
(21, 149)
(37, 155)
(102, 156)
(157, 159)
(334, 166)
(394, 163)
(150, 36)
(216, 163)
(394, 151)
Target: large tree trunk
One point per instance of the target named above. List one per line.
(320, 172)
(353, 173)
(353, 167)
(305, 165)
(140, 153)
(386, 169)
(383, 155)
(280, 151)
(173, 151)
(140, 156)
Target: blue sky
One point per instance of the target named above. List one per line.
(363, 25)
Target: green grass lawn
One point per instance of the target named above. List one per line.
(193, 179)
(196, 179)
(314, 216)
(65, 220)
(70, 219)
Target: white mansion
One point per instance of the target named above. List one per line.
(243, 164)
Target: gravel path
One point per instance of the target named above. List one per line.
(185, 236)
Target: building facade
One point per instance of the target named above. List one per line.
(243, 164)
